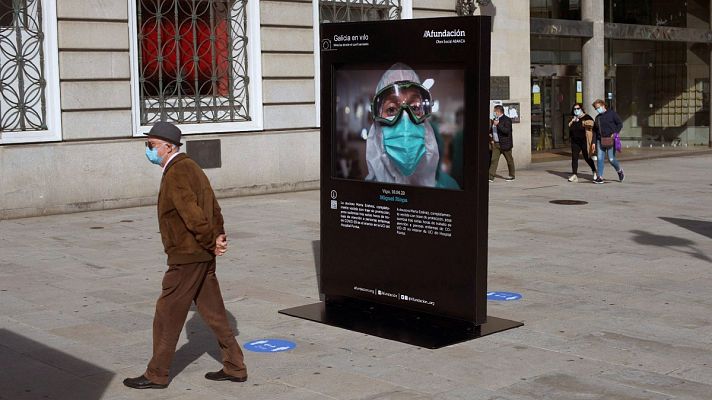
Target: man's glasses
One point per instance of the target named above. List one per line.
(577, 108)
(152, 145)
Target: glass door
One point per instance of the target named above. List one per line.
(552, 98)
(539, 91)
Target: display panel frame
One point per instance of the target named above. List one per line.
(403, 261)
(443, 274)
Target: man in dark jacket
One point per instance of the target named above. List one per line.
(607, 124)
(192, 232)
(502, 143)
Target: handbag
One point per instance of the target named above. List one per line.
(617, 139)
(607, 142)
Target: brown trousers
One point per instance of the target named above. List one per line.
(182, 285)
(494, 162)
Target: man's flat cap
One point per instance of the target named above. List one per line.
(166, 131)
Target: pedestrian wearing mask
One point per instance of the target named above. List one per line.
(191, 227)
(580, 126)
(503, 143)
(606, 125)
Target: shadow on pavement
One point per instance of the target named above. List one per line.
(32, 370)
(201, 340)
(560, 174)
(701, 227)
(674, 243)
(566, 175)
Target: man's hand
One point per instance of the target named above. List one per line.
(495, 122)
(220, 245)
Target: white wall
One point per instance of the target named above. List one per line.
(511, 57)
(95, 175)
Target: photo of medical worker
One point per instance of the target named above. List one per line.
(399, 125)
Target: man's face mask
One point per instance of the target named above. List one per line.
(152, 153)
(600, 110)
(404, 143)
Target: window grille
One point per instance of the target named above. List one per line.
(193, 61)
(359, 10)
(22, 74)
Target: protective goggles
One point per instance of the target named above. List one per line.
(389, 102)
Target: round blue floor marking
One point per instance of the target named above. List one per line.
(269, 345)
(503, 296)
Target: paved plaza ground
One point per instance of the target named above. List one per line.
(617, 300)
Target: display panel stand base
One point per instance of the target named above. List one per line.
(417, 329)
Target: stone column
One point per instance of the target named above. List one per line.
(594, 55)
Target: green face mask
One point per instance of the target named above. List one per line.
(404, 143)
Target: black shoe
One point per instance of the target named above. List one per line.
(621, 175)
(142, 382)
(509, 178)
(222, 376)
(598, 180)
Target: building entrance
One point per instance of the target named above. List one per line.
(552, 99)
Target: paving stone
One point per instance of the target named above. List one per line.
(565, 387)
(672, 386)
(350, 385)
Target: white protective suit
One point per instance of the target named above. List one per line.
(380, 167)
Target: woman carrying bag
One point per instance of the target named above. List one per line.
(606, 125)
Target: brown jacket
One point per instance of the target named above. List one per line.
(188, 214)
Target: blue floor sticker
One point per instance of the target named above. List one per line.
(503, 296)
(269, 345)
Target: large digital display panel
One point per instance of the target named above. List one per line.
(404, 191)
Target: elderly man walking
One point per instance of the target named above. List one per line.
(192, 232)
